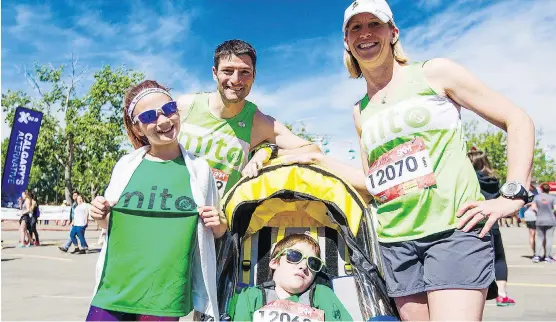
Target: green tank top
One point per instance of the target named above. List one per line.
(224, 143)
(151, 236)
(419, 171)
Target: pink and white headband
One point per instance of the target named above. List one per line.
(142, 94)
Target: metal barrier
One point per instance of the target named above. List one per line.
(46, 213)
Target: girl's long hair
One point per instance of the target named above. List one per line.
(480, 162)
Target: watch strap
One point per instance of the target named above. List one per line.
(265, 145)
(274, 148)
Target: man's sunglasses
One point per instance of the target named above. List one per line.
(150, 116)
(294, 256)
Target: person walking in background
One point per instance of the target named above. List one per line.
(530, 218)
(72, 209)
(34, 217)
(490, 188)
(532, 187)
(521, 216)
(544, 205)
(24, 220)
(73, 206)
(80, 218)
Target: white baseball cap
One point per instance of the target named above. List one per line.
(379, 8)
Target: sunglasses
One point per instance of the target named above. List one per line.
(294, 256)
(150, 116)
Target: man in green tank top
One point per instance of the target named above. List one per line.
(223, 127)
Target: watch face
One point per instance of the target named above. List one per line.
(512, 189)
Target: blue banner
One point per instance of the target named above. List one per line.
(25, 132)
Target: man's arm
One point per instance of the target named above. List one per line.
(266, 128)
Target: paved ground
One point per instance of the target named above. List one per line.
(41, 283)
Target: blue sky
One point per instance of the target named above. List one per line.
(508, 44)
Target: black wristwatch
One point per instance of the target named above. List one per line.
(515, 190)
(274, 149)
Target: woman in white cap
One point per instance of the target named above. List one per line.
(433, 222)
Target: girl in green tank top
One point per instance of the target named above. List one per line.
(146, 268)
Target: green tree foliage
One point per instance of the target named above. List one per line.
(81, 135)
(302, 132)
(493, 142)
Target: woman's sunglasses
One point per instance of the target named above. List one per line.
(294, 256)
(150, 116)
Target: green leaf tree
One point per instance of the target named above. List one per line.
(81, 133)
(494, 142)
(301, 132)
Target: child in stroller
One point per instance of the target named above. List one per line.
(291, 295)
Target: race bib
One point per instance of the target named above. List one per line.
(404, 169)
(221, 180)
(287, 311)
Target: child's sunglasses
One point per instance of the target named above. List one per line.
(150, 116)
(294, 256)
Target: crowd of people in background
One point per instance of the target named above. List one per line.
(539, 217)
(29, 214)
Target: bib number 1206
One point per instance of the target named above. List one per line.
(276, 316)
(287, 311)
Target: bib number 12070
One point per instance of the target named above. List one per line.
(397, 170)
(403, 169)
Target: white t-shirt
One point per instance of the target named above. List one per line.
(81, 215)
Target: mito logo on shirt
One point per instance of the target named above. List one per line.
(214, 146)
(405, 118)
(158, 201)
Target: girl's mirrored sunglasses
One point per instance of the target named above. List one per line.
(294, 256)
(150, 116)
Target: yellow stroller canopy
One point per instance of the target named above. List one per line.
(281, 188)
(286, 198)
